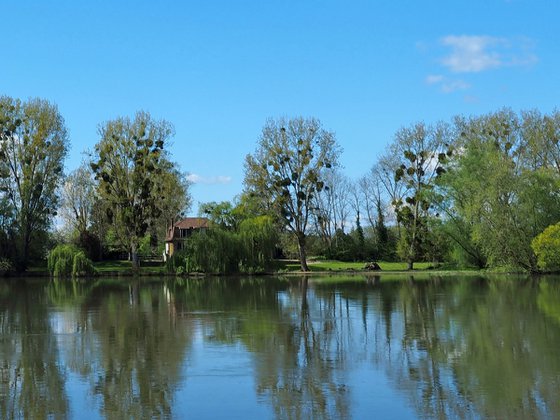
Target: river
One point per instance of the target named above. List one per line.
(272, 347)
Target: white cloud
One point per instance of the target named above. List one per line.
(209, 180)
(454, 85)
(472, 53)
(471, 99)
(433, 79)
(476, 53)
(447, 85)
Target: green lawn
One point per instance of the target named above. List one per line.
(125, 267)
(332, 265)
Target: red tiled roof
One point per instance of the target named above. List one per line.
(187, 223)
(193, 223)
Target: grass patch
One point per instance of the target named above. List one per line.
(125, 267)
(332, 265)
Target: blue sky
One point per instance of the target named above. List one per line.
(218, 69)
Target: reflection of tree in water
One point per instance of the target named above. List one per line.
(131, 346)
(31, 380)
(300, 364)
(296, 341)
(454, 348)
(480, 348)
(141, 351)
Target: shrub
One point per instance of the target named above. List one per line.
(546, 247)
(82, 265)
(5, 265)
(68, 260)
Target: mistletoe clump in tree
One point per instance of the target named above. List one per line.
(288, 169)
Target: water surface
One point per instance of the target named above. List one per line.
(359, 347)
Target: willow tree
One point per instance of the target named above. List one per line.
(129, 165)
(33, 146)
(288, 170)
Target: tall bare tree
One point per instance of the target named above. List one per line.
(288, 170)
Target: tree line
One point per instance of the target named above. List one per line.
(120, 199)
(477, 191)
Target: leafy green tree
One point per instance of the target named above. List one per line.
(288, 171)
(381, 233)
(547, 248)
(221, 214)
(129, 166)
(498, 195)
(33, 146)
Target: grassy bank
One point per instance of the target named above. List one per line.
(124, 267)
(333, 265)
(281, 266)
(155, 268)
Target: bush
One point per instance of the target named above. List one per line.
(546, 247)
(82, 265)
(91, 244)
(5, 266)
(68, 260)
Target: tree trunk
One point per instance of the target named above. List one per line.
(24, 256)
(411, 265)
(302, 252)
(134, 257)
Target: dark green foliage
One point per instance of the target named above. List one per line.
(5, 266)
(383, 245)
(343, 247)
(360, 246)
(69, 261)
(91, 245)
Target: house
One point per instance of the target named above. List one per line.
(179, 231)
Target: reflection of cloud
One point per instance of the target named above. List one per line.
(476, 53)
(209, 180)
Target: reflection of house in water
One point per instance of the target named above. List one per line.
(178, 233)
